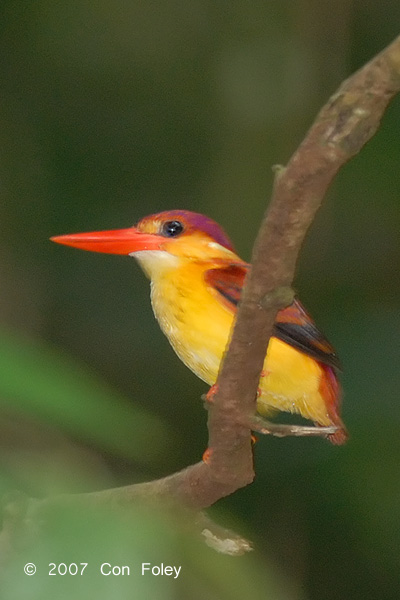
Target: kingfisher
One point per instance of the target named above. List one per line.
(196, 282)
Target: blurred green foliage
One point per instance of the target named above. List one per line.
(36, 381)
(111, 111)
(74, 537)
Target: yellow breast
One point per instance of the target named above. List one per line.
(198, 327)
(195, 323)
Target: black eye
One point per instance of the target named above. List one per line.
(171, 228)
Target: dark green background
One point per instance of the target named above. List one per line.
(113, 110)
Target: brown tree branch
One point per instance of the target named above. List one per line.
(348, 120)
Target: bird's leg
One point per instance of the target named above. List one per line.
(261, 425)
(209, 397)
(207, 455)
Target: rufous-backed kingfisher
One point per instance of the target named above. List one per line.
(196, 282)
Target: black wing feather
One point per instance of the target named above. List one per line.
(293, 324)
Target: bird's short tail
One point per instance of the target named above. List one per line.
(330, 390)
(340, 436)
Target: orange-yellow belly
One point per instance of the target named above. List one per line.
(198, 327)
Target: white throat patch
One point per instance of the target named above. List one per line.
(154, 262)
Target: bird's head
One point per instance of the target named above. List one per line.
(160, 241)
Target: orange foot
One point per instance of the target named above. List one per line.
(207, 455)
(254, 439)
(211, 392)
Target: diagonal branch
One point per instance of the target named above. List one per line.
(348, 120)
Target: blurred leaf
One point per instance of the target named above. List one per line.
(143, 535)
(41, 381)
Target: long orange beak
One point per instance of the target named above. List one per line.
(116, 241)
